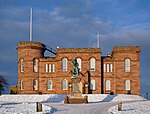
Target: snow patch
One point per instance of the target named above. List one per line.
(142, 107)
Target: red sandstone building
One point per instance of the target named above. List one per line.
(118, 72)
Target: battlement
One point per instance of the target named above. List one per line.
(66, 50)
(49, 59)
(126, 48)
(30, 45)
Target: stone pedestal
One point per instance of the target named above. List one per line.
(76, 95)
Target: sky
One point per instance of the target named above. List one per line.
(74, 24)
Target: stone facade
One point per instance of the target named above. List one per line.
(28, 72)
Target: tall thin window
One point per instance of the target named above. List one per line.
(22, 85)
(35, 85)
(52, 67)
(47, 67)
(64, 84)
(107, 84)
(92, 64)
(107, 67)
(79, 62)
(35, 65)
(127, 85)
(22, 65)
(49, 85)
(127, 65)
(64, 64)
(111, 67)
(92, 84)
(104, 67)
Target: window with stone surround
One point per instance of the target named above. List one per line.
(127, 85)
(35, 65)
(64, 84)
(108, 85)
(92, 84)
(49, 85)
(92, 64)
(22, 85)
(35, 85)
(64, 64)
(49, 68)
(79, 62)
(127, 65)
(22, 65)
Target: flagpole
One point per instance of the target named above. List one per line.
(30, 24)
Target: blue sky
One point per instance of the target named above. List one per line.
(74, 23)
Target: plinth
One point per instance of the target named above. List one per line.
(76, 95)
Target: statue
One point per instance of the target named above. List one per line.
(75, 69)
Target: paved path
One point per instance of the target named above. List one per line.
(91, 108)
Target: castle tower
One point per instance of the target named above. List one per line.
(28, 66)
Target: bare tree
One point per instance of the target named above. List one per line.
(3, 83)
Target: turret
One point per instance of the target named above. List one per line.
(28, 66)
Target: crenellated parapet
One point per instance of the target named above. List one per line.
(30, 45)
(126, 48)
(74, 50)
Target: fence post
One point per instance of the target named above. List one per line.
(120, 106)
(38, 107)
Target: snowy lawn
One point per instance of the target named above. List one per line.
(26, 104)
(141, 107)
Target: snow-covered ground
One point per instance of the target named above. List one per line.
(26, 104)
(60, 98)
(141, 107)
(21, 108)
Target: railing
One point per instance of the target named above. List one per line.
(146, 95)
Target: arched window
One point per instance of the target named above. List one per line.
(49, 84)
(22, 85)
(35, 65)
(64, 84)
(79, 62)
(35, 85)
(92, 64)
(64, 64)
(127, 65)
(107, 84)
(92, 84)
(127, 85)
(22, 65)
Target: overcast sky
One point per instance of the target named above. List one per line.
(74, 23)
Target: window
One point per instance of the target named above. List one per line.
(35, 65)
(64, 64)
(79, 62)
(107, 67)
(92, 84)
(64, 84)
(22, 85)
(127, 65)
(22, 65)
(49, 67)
(92, 64)
(35, 85)
(127, 85)
(107, 84)
(104, 67)
(110, 67)
(49, 85)
(52, 68)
